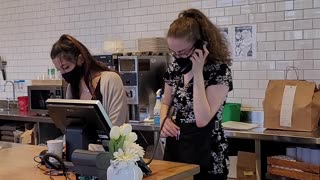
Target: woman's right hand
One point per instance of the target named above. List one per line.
(169, 129)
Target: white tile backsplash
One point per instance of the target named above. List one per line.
(316, 64)
(240, 19)
(284, 26)
(311, 54)
(241, 2)
(249, 103)
(275, 36)
(237, 83)
(316, 23)
(242, 93)
(303, 24)
(263, 84)
(216, 12)
(209, 3)
(284, 5)
(261, 56)
(312, 74)
(257, 18)
(147, 19)
(266, 7)
(261, 37)
(290, 15)
(303, 4)
(258, 74)
(275, 16)
(284, 45)
(311, 34)
(303, 44)
(241, 74)
(249, 9)
(312, 13)
(304, 64)
(316, 44)
(249, 66)
(230, 11)
(294, 55)
(257, 1)
(275, 75)
(250, 83)
(288, 33)
(195, 4)
(266, 27)
(275, 55)
(266, 46)
(292, 35)
(257, 93)
(236, 66)
(224, 3)
(266, 65)
(225, 20)
(282, 65)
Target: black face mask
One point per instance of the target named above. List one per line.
(73, 76)
(185, 64)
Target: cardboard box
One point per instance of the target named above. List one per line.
(247, 166)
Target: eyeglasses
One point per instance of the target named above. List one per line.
(177, 55)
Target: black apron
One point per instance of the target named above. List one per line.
(193, 145)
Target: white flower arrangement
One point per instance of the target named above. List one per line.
(122, 146)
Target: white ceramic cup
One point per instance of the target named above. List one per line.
(55, 147)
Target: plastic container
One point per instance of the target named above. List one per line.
(231, 112)
(157, 108)
(23, 103)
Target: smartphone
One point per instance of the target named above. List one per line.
(198, 45)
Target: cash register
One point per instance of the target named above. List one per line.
(84, 122)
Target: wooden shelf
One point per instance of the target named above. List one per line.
(298, 170)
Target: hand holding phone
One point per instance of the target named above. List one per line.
(199, 57)
(185, 63)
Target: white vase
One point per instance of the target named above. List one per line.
(125, 170)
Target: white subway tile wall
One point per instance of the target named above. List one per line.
(288, 33)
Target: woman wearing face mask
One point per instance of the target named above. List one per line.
(196, 85)
(89, 79)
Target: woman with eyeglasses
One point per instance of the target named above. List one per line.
(196, 85)
(89, 79)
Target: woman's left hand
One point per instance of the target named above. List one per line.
(198, 59)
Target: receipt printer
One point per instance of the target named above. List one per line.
(90, 163)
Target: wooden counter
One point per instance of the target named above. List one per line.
(16, 162)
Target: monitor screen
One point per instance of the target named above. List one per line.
(87, 112)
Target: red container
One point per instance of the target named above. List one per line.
(23, 103)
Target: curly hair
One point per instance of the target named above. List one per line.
(193, 25)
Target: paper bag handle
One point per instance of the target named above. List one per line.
(290, 68)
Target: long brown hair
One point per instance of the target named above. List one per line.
(69, 48)
(193, 25)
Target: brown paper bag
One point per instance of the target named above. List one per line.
(246, 166)
(291, 105)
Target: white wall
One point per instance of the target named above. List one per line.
(288, 33)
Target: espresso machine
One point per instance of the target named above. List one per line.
(142, 76)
